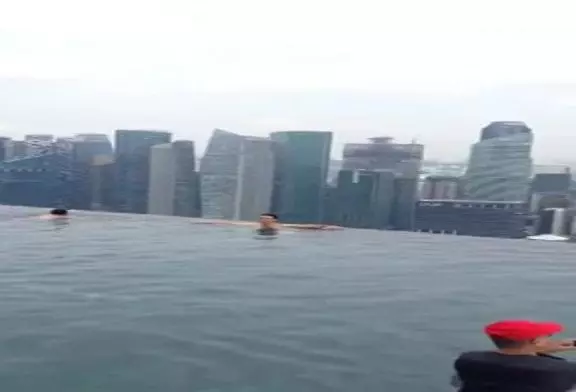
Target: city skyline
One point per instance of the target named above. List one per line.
(379, 184)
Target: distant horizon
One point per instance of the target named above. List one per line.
(110, 135)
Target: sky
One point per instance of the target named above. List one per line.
(434, 71)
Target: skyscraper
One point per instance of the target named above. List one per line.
(236, 175)
(550, 190)
(38, 181)
(174, 183)
(219, 174)
(255, 178)
(500, 163)
(361, 199)
(440, 188)
(405, 160)
(300, 170)
(85, 150)
(132, 161)
(38, 144)
(85, 147)
(4, 148)
(102, 184)
(16, 149)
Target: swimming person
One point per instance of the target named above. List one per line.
(59, 212)
(268, 224)
(56, 213)
(521, 362)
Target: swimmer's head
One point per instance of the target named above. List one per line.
(268, 220)
(59, 212)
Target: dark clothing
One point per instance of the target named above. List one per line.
(490, 371)
(267, 231)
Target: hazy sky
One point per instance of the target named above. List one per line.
(434, 70)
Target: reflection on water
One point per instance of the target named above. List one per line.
(124, 303)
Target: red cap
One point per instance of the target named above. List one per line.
(522, 330)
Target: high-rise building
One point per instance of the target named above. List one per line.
(174, 183)
(405, 160)
(551, 182)
(500, 163)
(39, 181)
(102, 183)
(550, 190)
(300, 170)
(4, 148)
(16, 149)
(361, 199)
(85, 151)
(86, 147)
(255, 178)
(236, 175)
(132, 161)
(405, 198)
(219, 174)
(440, 188)
(38, 144)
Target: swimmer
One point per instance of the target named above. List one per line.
(268, 224)
(56, 213)
(59, 212)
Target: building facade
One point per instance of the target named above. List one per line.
(405, 160)
(500, 163)
(301, 161)
(255, 178)
(37, 144)
(4, 148)
(37, 181)
(472, 218)
(551, 182)
(550, 190)
(85, 147)
(16, 149)
(219, 174)
(440, 188)
(132, 163)
(237, 176)
(556, 221)
(174, 183)
(361, 199)
(405, 197)
(103, 184)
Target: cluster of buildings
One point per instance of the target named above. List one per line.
(379, 184)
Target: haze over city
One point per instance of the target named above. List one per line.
(432, 71)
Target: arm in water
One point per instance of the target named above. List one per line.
(311, 227)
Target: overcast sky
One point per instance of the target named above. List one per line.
(432, 70)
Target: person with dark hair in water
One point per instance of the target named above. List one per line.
(59, 212)
(521, 362)
(268, 224)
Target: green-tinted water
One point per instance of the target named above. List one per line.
(119, 303)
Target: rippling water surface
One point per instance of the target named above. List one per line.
(121, 303)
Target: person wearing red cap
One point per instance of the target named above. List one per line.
(522, 360)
